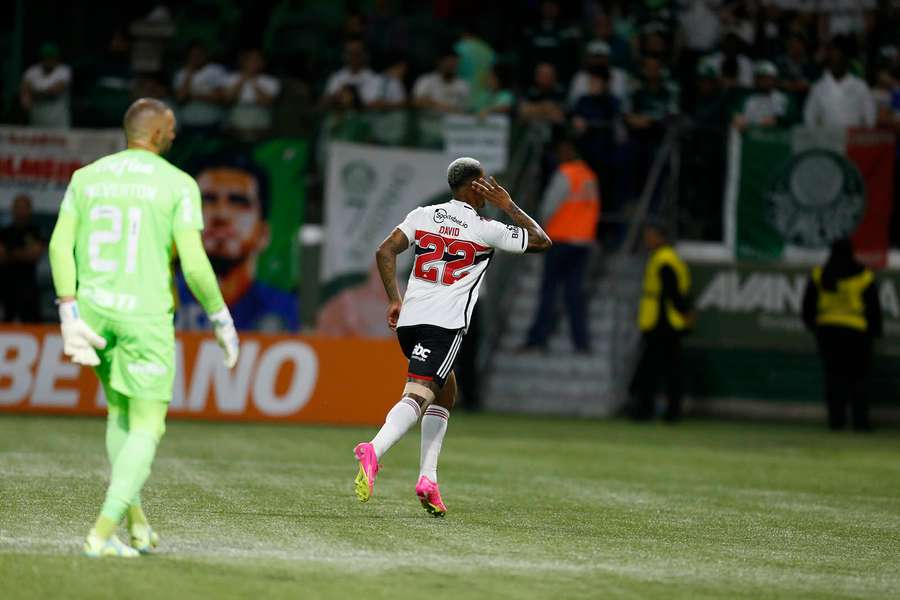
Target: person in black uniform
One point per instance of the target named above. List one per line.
(841, 307)
(21, 247)
(663, 318)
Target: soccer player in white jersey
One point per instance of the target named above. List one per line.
(453, 246)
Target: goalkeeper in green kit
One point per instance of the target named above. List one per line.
(111, 255)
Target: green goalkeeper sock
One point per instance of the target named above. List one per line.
(129, 472)
(105, 527)
(136, 514)
(116, 433)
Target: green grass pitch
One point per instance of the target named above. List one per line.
(538, 508)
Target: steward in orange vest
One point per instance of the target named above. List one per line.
(570, 211)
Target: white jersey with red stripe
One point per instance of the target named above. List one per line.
(453, 247)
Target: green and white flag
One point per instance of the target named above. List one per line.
(803, 188)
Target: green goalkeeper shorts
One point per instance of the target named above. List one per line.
(139, 358)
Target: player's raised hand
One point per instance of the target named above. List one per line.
(226, 336)
(79, 340)
(492, 191)
(393, 314)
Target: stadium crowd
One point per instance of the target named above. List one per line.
(615, 76)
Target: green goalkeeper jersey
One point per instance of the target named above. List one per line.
(128, 207)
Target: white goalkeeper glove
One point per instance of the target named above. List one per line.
(226, 335)
(79, 340)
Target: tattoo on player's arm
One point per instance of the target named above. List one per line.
(537, 238)
(386, 260)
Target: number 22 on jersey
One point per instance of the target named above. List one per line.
(106, 223)
(433, 263)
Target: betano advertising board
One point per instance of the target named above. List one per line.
(277, 378)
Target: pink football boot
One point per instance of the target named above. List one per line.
(368, 469)
(430, 496)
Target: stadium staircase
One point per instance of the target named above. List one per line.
(561, 381)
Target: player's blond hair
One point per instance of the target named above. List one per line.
(463, 170)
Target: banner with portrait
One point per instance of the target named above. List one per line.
(253, 201)
(791, 190)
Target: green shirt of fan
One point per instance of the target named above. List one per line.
(128, 206)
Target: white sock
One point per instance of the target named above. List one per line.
(434, 426)
(398, 421)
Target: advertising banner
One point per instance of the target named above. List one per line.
(277, 378)
(804, 188)
(368, 191)
(486, 139)
(40, 162)
(749, 340)
(759, 306)
(253, 200)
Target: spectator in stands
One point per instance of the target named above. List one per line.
(842, 308)
(797, 70)
(703, 159)
(603, 30)
(114, 70)
(392, 84)
(596, 121)
(545, 100)
(699, 32)
(847, 17)
(111, 84)
(769, 42)
(700, 26)
(150, 36)
(766, 106)
(354, 27)
(389, 31)
(887, 99)
(655, 100)
(652, 105)
(732, 52)
(442, 90)
(389, 125)
(654, 41)
(499, 99)
(355, 73)
(44, 92)
(21, 247)
(664, 316)
(250, 93)
(198, 88)
(597, 57)
(839, 98)
(570, 212)
(551, 41)
(710, 111)
(476, 57)
(345, 120)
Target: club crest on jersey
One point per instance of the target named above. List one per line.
(441, 215)
(420, 353)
